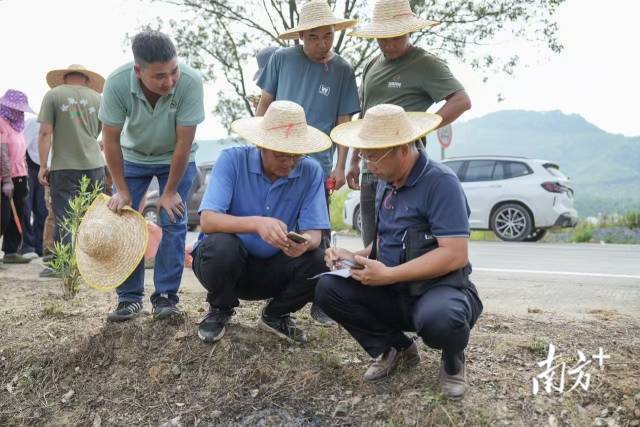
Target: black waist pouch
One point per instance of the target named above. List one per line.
(417, 241)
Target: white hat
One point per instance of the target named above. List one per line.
(284, 129)
(315, 14)
(391, 18)
(383, 126)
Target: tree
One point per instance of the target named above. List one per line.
(220, 36)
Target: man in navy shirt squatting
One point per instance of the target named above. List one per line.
(415, 274)
(255, 197)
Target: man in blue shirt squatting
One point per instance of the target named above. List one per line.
(255, 198)
(150, 110)
(323, 83)
(415, 274)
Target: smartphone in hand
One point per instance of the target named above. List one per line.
(298, 238)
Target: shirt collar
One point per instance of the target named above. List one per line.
(417, 171)
(255, 164)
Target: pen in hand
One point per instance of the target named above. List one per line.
(334, 238)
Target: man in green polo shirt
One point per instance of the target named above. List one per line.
(403, 75)
(150, 110)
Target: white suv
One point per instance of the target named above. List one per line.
(517, 198)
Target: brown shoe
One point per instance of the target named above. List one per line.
(390, 360)
(452, 386)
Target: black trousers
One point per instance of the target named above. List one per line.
(35, 206)
(224, 267)
(376, 316)
(64, 185)
(12, 240)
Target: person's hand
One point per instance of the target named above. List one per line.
(353, 177)
(273, 231)
(119, 200)
(333, 256)
(7, 189)
(294, 250)
(43, 176)
(172, 203)
(337, 175)
(374, 272)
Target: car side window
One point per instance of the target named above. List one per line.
(516, 169)
(479, 170)
(456, 167)
(500, 171)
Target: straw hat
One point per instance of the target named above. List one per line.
(284, 129)
(383, 126)
(56, 77)
(109, 246)
(314, 14)
(391, 18)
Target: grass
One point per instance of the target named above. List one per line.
(53, 310)
(336, 209)
(537, 347)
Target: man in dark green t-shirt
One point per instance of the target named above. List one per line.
(403, 75)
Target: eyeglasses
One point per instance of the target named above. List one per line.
(281, 157)
(371, 161)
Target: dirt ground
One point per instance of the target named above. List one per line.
(62, 364)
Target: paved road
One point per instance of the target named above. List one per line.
(574, 280)
(571, 279)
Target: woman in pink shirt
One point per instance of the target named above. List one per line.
(13, 171)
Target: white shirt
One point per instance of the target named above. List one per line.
(31, 129)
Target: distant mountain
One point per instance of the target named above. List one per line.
(604, 168)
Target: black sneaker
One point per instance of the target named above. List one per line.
(213, 326)
(282, 326)
(320, 316)
(124, 311)
(164, 307)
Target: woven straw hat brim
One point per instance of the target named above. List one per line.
(132, 235)
(250, 128)
(348, 134)
(338, 23)
(55, 78)
(389, 29)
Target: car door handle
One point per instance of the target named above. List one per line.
(495, 186)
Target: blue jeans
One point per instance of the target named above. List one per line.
(169, 261)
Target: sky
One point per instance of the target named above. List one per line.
(595, 76)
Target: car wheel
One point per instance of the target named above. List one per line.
(536, 235)
(511, 222)
(150, 214)
(357, 219)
